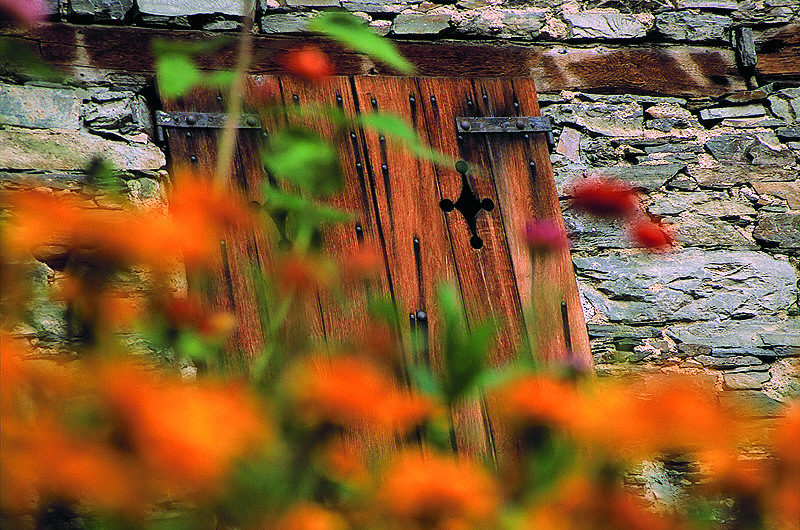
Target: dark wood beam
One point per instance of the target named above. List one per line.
(778, 53)
(675, 70)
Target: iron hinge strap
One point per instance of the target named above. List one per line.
(507, 125)
(201, 120)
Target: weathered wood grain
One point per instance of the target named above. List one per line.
(778, 53)
(232, 281)
(657, 69)
(344, 307)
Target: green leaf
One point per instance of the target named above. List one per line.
(301, 157)
(397, 128)
(184, 47)
(388, 124)
(18, 59)
(176, 74)
(104, 177)
(192, 346)
(425, 380)
(219, 79)
(350, 31)
(465, 352)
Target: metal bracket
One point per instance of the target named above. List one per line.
(200, 120)
(521, 124)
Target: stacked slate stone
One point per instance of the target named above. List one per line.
(722, 169)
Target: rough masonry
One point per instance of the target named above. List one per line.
(722, 167)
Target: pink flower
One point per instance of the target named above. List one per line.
(545, 235)
(24, 11)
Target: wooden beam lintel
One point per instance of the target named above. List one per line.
(673, 70)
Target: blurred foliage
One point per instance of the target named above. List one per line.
(312, 432)
(353, 33)
(17, 60)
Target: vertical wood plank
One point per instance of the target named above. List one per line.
(414, 227)
(231, 280)
(557, 270)
(344, 314)
(485, 275)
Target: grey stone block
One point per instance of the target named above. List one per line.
(785, 104)
(421, 24)
(222, 24)
(695, 230)
(747, 148)
(788, 132)
(176, 8)
(589, 233)
(677, 202)
(313, 3)
(622, 331)
(727, 361)
(788, 191)
(645, 177)
(745, 380)
(623, 119)
(284, 23)
(780, 230)
(101, 10)
(604, 25)
(728, 175)
(378, 6)
(721, 5)
(689, 285)
(750, 403)
(61, 150)
(40, 107)
(502, 23)
(718, 113)
(691, 26)
(758, 332)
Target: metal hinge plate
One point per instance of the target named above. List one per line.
(507, 125)
(201, 120)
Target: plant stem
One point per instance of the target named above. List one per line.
(227, 144)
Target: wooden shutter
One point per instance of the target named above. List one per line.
(396, 199)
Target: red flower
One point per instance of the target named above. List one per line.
(605, 198)
(652, 234)
(545, 235)
(309, 63)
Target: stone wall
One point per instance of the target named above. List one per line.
(722, 169)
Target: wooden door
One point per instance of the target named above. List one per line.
(405, 207)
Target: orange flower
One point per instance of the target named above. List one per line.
(366, 262)
(352, 392)
(303, 273)
(45, 457)
(668, 413)
(344, 461)
(581, 503)
(42, 462)
(537, 400)
(188, 435)
(309, 516)
(200, 216)
(182, 312)
(433, 491)
(309, 63)
(783, 499)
